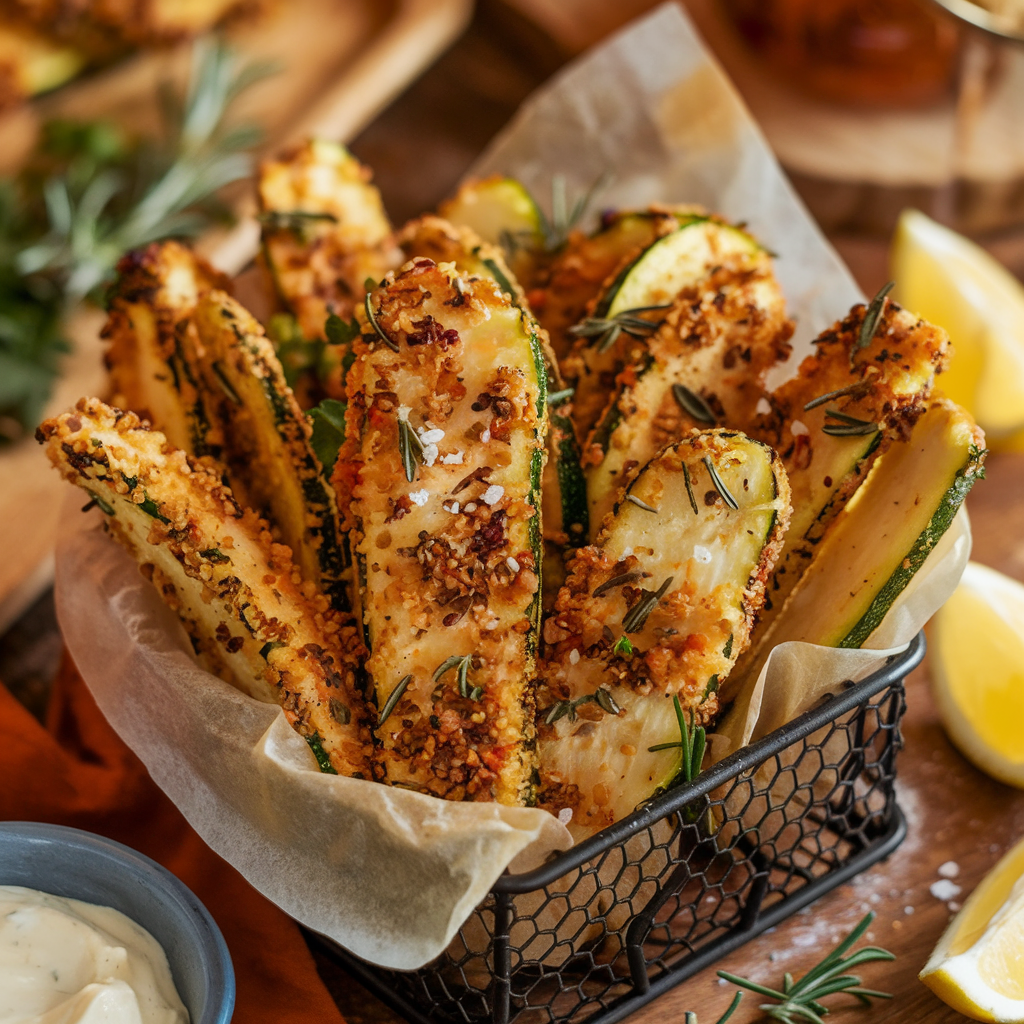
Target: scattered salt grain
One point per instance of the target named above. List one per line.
(452, 459)
(950, 869)
(797, 428)
(486, 435)
(944, 889)
(493, 494)
(453, 508)
(574, 657)
(701, 553)
(419, 497)
(953, 906)
(470, 506)
(763, 406)
(908, 911)
(431, 436)
(565, 815)
(627, 552)
(512, 563)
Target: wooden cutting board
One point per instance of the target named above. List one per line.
(341, 62)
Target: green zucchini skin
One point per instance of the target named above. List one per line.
(267, 449)
(447, 529)
(675, 547)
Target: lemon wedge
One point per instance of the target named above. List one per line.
(978, 671)
(978, 966)
(954, 283)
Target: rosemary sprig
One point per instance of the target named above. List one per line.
(719, 484)
(851, 389)
(689, 489)
(557, 397)
(871, 318)
(295, 221)
(693, 405)
(410, 447)
(608, 329)
(847, 426)
(617, 581)
(636, 617)
(462, 663)
(392, 701)
(801, 1000)
(555, 231)
(689, 1017)
(377, 329)
(601, 697)
(692, 741)
(640, 503)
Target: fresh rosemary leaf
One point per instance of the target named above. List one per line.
(294, 220)
(689, 489)
(392, 701)
(608, 329)
(462, 663)
(617, 581)
(851, 389)
(852, 421)
(712, 686)
(637, 616)
(225, 384)
(555, 232)
(557, 397)
(605, 701)
(104, 506)
(871, 318)
(410, 447)
(641, 504)
(151, 508)
(693, 405)
(378, 330)
(720, 484)
(328, 434)
(215, 555)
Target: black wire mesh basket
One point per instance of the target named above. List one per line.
(688, 877)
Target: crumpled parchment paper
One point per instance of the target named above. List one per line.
(388, 873)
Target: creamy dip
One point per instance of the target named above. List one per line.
(67, 962)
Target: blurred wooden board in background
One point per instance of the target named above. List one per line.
(342, 61)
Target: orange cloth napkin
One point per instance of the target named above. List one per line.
(76, 771)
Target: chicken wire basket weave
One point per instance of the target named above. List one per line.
(691, 875)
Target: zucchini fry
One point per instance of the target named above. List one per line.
(878, 392)
(267, 448)
(250, 617)
(440, 473)
(324, 232)
(660, 607)
(703, 367)
(151, 358)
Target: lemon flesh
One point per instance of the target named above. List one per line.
(978, 671)
(956, 284)
(978, 965)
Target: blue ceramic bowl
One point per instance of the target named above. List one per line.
(82, 866)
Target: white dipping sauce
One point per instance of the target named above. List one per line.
(68, 962)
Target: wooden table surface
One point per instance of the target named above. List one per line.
(419, 148)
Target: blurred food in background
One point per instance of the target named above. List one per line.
(44, 43)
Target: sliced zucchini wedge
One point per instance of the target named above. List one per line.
(237, 593)
(669, 272)
(703, 367)
(501, 211)
(151, 357)
(881, 538)
(267, 440)
(878, 392)
(440, 475)
(660, 607)
(324, 232)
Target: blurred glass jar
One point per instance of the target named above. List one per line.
(883, 53)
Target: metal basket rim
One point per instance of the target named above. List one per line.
(896, 667)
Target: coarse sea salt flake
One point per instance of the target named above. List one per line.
(950, 869)
(797, 428)
(512, 563)
(419, 497)
(574, 657)
(486, 435)
(565, 815)
(431, 436)
(470, 506)
(453, 507)
(701, 553)
(944, 889)
(493, 494)
(763, 406)
(452, 459)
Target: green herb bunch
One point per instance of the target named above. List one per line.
(87, 196)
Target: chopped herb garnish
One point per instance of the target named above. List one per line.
(340, 712)
(214, 555)
(378, 330)
(720, 484)
(850, 389)
(712, 686)
(801, 1000)
(100, 503)
(271, 646)
(392, 701)
(727, 649)
(322, 760)
(693, 405)
(601, 697)
(641, 504)
(636, 617)
(410, 447)
(557, 397)
(151, 508)
(328, 431)
(618, 581)
(462, 663)
(689, 489)
(225, 384)
(623, 646)
(847, 426)
(871, 318)
(369, 284)
(341, 332)
(297, 353)
(608, 329)
(499, 276)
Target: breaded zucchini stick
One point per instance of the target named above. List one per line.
(151, 357)
(250, 617)
(440, 473)
(267, 448)
(324, 232)
(660, 607)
